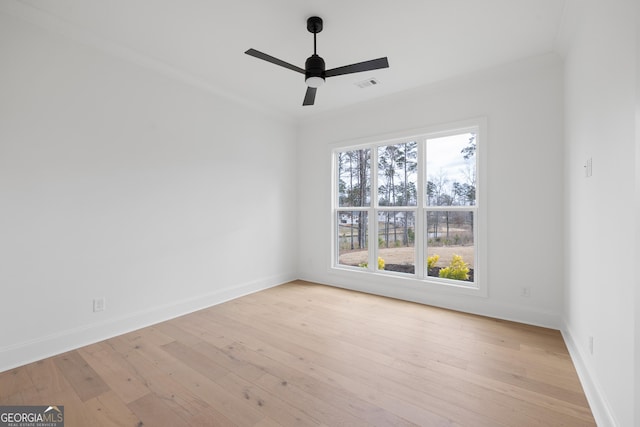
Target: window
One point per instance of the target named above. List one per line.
(409, 207)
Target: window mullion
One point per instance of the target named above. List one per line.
(373, 212)
(336, 207)
(420, 241)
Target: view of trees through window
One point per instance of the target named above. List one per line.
(415, 198)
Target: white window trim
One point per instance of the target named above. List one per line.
(480, 287)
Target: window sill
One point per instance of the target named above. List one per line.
(407, 282)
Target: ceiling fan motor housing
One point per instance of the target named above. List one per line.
(314, 67)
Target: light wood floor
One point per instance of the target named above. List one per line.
(303, 354)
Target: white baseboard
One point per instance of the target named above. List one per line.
(26, 352)
(598, 403)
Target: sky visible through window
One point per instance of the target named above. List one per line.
(444, 155)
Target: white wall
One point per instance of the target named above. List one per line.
(522, 103)
(636, 307)
(601, 256)
(119, 182)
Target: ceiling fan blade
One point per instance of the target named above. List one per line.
(269, 58)
(310, 96)
(373, 64)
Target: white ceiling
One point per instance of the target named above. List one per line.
(203, 41)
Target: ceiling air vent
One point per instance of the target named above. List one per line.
(367, 83)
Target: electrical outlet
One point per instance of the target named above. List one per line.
(98, 305)
(525, 292)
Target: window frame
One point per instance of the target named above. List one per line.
(419, 277)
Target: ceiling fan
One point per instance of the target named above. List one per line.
(314, 68)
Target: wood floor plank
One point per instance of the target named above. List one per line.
(54, 388)
(108, 410)
(116, 372)
(165, 390)
(235, 408)
(160, 382)
(307, 354)
(273, 406)
(47, 378)
(152, 411)
(173, 330)
(82, 377)
(13, 382)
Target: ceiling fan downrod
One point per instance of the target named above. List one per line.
(314, 66)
